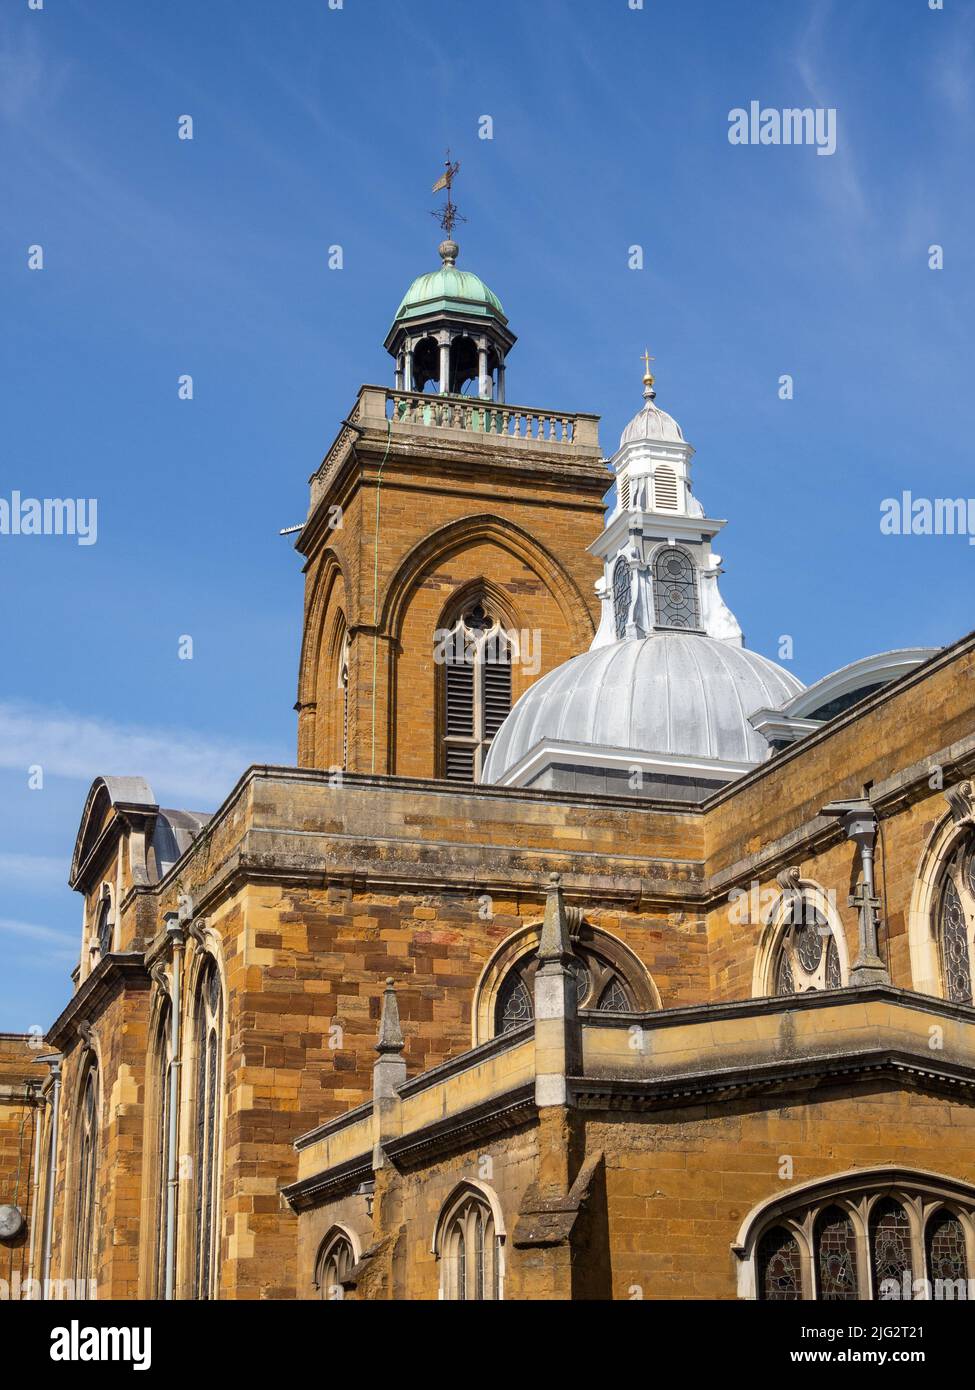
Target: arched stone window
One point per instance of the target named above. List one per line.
(675, 589)
(475, 657)
(336, 1261)
(873, 1234)
(956, 918)
(468, 1244)
(208, 1030)
(621, 596)
(162, 1060)
(802, 947)
(86, 1183)
(609, 978)
(105, 921)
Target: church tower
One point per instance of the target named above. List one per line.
(446, 545)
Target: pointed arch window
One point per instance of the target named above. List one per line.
(946, 1256)
(956, 919)
(475, 655)
(343, 684)
(470, 1252)
(85, 1191)
(209, 1055)
(675, 589)
(890, 1243)
(335, 1266)
(621, 596)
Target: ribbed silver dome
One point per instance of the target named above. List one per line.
(674, 694)
(652, 423)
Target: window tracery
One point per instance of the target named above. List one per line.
(476, 659)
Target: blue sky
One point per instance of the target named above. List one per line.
(315, 127)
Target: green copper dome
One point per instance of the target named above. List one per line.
(449, 290)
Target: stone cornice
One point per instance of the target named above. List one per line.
(320, 1187)
(611, 1093)
(113, 973)
(503, 1112)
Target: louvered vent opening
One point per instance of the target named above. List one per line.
(665, 489)
(497, 696)
(460, 701)
(624, 491)
(460, 763)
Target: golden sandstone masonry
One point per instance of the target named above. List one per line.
(633, 971)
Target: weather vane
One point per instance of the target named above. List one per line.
(448, 216)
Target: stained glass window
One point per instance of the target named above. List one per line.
(779, 1266)
(947, 1260)
(890, 1248)
(621, 596)
(836, 1256)
(598, 986)
(955, 960)
(675, 589)
(808, 957)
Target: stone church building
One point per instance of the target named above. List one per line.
(583, 954)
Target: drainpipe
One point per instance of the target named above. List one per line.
(35, 1176)
(54, 1062)
(859, 821)
(176, 936)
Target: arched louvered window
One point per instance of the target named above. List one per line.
(807, 957)
(335, 1266)
(779, 1266)
(85, 1189)
(476, 660)
(665, 489)
(675, 589)
(163, 1061)
(470, 1252)
(836, 1257)
(209, 1056)
(956, 919)
(623, 488)
(621, 596)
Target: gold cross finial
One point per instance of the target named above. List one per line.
(648, 374)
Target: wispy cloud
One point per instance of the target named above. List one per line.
(36, 871)
(846, 190)
(196, 770)
(49, 943)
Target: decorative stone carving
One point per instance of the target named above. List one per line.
(961, 800)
